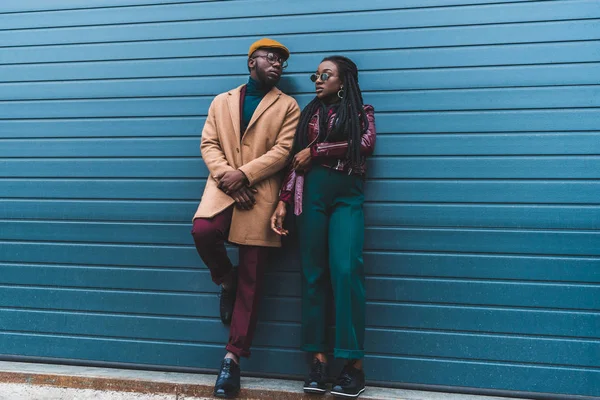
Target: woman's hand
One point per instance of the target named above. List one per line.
(302, 160)
(277, 219)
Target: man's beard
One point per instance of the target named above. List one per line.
(266, 82)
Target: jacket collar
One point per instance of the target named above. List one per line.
(233, 101)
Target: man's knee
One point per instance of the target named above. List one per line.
(203, 230)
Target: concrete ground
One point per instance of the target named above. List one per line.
(28, 381)
(15, 391)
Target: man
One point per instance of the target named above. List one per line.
(246, 141)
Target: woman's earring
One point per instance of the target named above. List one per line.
(341, 93)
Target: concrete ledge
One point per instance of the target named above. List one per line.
(185, 384)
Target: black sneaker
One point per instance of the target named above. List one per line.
(350, 383)
(228, 299)
(228, 380)
(317, 378)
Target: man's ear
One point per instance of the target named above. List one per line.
(251, 63)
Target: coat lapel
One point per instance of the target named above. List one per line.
(233, 103)
(265, 103)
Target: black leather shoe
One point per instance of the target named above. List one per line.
(317, 378)
(228, 381)
(350, 383)
(228, 299)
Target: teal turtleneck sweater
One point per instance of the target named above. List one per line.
(253, 97)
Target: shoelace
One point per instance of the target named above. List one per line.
(317, 370)
(345, 377)
(226, 294)
(226, 368)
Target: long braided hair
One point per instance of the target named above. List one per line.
(351, 121)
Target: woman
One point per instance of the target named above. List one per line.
(324, 184)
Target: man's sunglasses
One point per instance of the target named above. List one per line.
(324, 76)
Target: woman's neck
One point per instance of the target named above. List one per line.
(330, 101)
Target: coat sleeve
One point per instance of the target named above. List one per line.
(276, 158)
(340, 149)
(210, 147)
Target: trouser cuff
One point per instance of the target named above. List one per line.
(314, 348)
(237, 351)
(226, 278)
(349, 354)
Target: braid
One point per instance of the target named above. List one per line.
(301, 137)
(351, 120)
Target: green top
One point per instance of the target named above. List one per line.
(254, 95)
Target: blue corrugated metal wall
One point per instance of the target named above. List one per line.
(482, 246)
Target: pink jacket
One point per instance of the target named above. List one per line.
(328, 154)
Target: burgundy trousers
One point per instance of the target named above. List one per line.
(210, 235)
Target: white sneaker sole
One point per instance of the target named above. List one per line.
(314, 390)
(346, 395)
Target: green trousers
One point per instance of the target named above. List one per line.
(331, 235)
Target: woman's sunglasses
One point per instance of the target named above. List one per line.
(324, 76)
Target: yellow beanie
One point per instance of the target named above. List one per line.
(268, 43)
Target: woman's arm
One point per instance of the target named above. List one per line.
(286, 194)
(340, 149)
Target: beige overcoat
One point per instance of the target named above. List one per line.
(261, 153)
